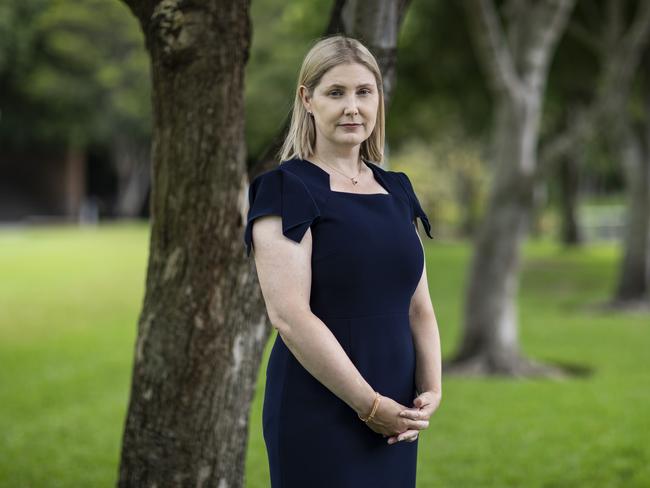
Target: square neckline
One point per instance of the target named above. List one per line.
(329, 182)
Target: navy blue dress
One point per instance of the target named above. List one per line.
(366, 263)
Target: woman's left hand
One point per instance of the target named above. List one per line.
(425, 404)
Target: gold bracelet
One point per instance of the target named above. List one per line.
(375, 404)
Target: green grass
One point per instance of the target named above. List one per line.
(69, 303)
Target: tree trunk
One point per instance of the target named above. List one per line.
(469, 206)
(516, 64)
(634, 151)
(628, 145)
(132, 164)
(201, 332)
(490, 312)
(74, 179)
(569, 190)
(633, 285)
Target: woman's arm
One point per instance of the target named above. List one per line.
(428, 376)
(284, 272)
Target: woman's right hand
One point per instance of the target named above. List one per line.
(388, 422)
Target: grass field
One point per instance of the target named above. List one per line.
(69, 302)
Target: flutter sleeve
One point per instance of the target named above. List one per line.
(280, 192)
(416, 208)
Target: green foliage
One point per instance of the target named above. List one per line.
(439, 85)
(73, 72)
(283, 32)
(17, 36)
(450, 180)
(70, 306)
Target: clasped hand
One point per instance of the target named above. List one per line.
(400, 423)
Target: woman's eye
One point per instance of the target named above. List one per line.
(365, 91)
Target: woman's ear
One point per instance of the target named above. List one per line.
(305, 98)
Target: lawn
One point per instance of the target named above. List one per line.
(69, 303)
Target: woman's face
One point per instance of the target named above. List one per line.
(346, 94)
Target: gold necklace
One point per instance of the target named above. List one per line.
(354, 179)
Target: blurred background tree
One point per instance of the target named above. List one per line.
(74, 76)
(72, 71)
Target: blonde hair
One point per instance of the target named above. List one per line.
(327, 53)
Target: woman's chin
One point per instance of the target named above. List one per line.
(351, 139)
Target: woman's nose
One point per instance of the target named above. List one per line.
(351, 105)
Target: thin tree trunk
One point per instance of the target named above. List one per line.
(132, 164)
(516, 63)
(74, 180)
(633, 285)
(628, 146)
(467, 191)
(199, 341)
(569, 193)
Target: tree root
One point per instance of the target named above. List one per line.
(483, 365)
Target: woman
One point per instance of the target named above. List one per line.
(354, 373)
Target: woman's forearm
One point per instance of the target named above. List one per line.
(321, 354)
(428, 370)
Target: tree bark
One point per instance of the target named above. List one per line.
(516, 64)
(74, 180)
(633, 280)
(632, 146)
(569, 193)
(201, 331)
(132, 164)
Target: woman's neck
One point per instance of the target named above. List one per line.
(347, 163)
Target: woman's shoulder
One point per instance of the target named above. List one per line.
(407, 191)
(279, 191)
